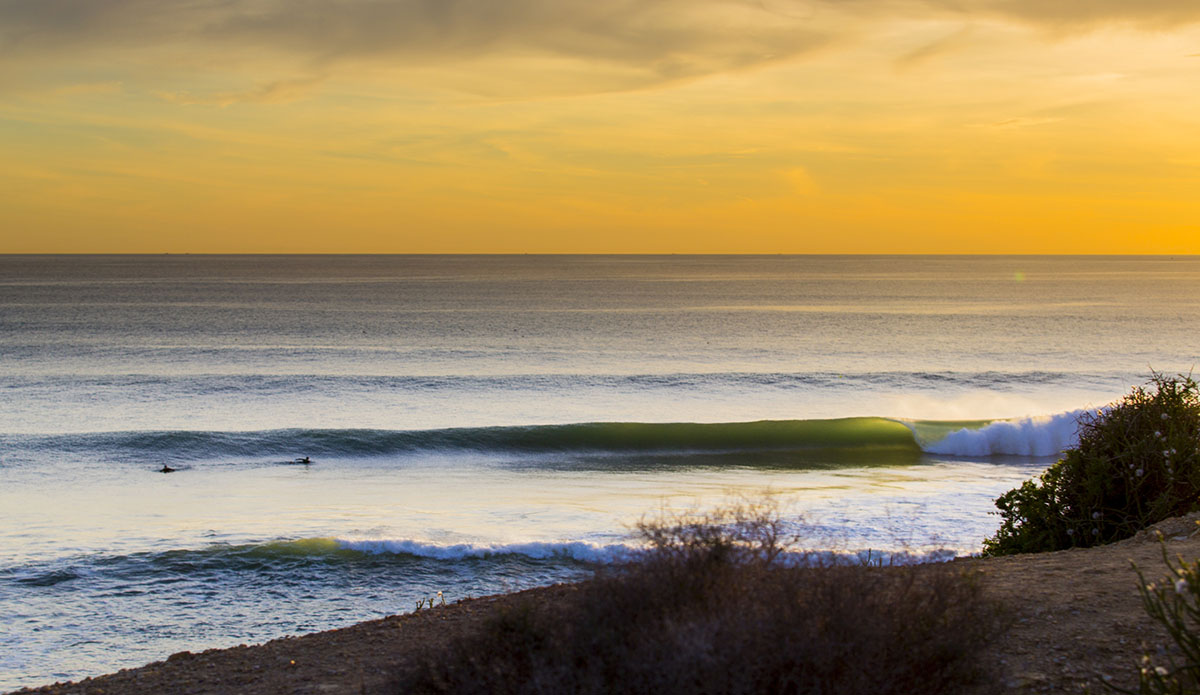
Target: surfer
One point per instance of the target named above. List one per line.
(166, 469)
(304, 460)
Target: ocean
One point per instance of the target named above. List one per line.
(482, 424)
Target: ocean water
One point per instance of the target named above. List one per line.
(479, 424)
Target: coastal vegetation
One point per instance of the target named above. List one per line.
(714, 606)
(1137, 463)
(1174, 603)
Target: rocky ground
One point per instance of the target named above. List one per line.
(1077, 621)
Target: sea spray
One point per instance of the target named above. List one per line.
(1029, 436)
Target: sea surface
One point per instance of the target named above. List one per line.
(480, 424)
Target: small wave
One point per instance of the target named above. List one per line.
(50, 578)
(594, 553)
(581, 551)
(1030, 436)
(306, 555)
(287, 384)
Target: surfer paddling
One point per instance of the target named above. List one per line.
(166, 469)
(305, 460)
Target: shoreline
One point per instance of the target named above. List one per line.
(1077, 620)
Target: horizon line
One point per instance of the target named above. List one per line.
(560, 254)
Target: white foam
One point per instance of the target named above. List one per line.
(1045, 435)
(538, 550)
(617, 552)
(880, 558)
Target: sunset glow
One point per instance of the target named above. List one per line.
(690, 126)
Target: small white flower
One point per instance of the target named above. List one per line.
(1172, 451)
(1095, 532)
(1158, 434)
(1181, 585)
(1140, 472)
(1160, 670)
(1164, 416)
(1095, 515)
(1166, 454)
(1151, 587)
(1070, 532)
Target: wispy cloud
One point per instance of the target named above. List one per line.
(108, 87)
(559, 45)
(279, 92)
(728, 32)
(934, 49)
(1015, 123)
(1085, 14)
(669, 38)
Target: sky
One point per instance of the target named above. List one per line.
(600, 126)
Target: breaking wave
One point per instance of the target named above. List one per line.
(1030, 436)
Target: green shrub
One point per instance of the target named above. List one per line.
(1174, 603)
(1136, 464)
(711, 609)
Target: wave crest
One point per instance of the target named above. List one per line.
(1029, 436)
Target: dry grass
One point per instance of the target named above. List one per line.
(712, 609)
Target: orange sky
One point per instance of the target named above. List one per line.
(733, 126)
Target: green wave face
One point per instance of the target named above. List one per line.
(280, 550)
(623, 437)
(764, 435)
(926, 432)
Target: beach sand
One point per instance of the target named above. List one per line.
(1077, 620)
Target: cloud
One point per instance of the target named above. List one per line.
(532, 46)
(1015, 123)
(729, 32)
(665, 38)
(48, 25)
(279, 92)
(936, 49)
(1066, 16)
(801, 182)
(109, 87)
(1086, 14)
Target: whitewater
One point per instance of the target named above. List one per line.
(485, 424)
